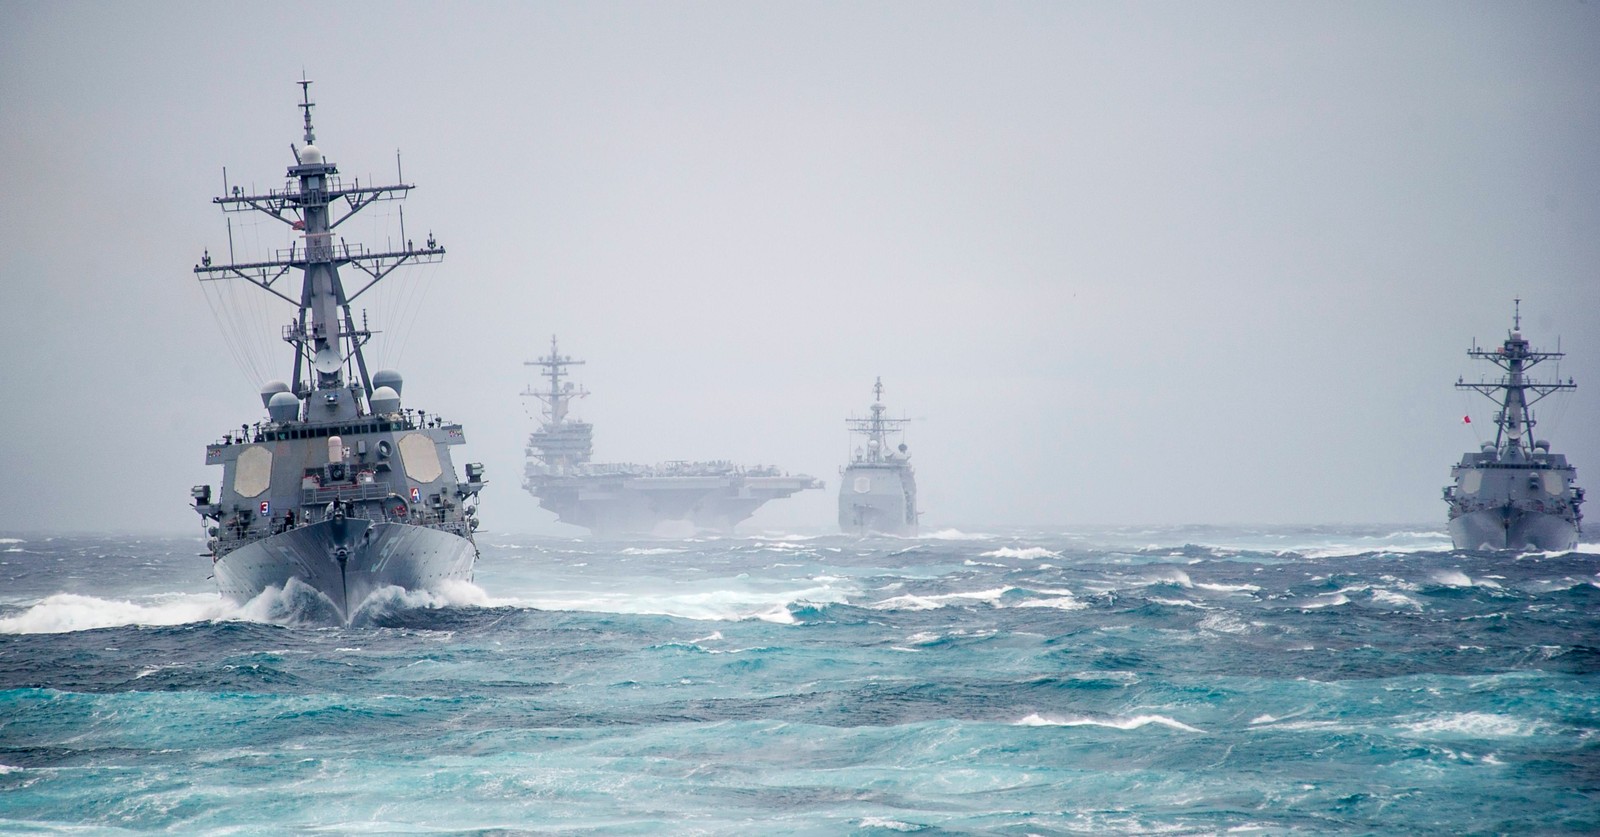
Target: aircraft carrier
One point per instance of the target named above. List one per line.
(340, 491)
(878, 489)
(1513, 493)
(672, 499)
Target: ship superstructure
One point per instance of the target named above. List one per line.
(1514, 493)
(878, 489)
(340, 489)
(672, 499)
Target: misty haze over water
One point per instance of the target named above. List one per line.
(1143, 263)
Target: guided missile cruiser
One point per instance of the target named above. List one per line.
(1514, 493)
(340, 489)
(625, 499)
(878, 489)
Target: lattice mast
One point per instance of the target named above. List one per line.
(315, 202)
(558, 398)
(1514, 422)
(876, 428)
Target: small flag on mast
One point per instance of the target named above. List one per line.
(1466, 419)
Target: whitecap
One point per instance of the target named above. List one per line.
(1229, 588)
(1029, 554)
(892, 825)
(1059, 603)
(914, 602)
(1178, 577)
(654, 550)
(12, 540)
(1037, 720)
(69, 612)
(1331, 600)
(1474, 724)
(956, 535)
(729, 605)
(1177, 603)
(1223, 623)
(1389, 597)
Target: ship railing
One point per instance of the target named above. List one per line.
(344, 493)
(322, 251)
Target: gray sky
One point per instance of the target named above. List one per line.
(1124, 262)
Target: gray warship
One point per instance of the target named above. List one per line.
(1514, 493)
(340, 488)
(878, 489)
(673, 499)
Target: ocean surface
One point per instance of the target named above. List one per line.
(1168, 680)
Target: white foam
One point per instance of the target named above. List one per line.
(1059, 599)
(956, 535)
(449, 593)
(1229, 588)
(1332, 600)
(1389, 597)
(892, 825)
(913, 602)
(1457, 578)
(68, 612)
(1223, 623)
(654, 550)
(12, 540)
(1037, 720)
(1031, 553)
(1178, 577)
(708, 605)
(1060, 603)
(1475, 724)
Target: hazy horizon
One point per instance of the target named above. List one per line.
(1125, 264)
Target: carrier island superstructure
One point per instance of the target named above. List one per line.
(1514, 493)
(878, 489)
(340, 489)
(672, 499)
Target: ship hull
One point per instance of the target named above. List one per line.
(660, 506)
(346, 561)
(877, 499)
(1512, 528)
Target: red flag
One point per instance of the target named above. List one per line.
(299, 225)
(1466, 419)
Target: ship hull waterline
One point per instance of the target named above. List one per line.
(1513, 529)
(374, 556)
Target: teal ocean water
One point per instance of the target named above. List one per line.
(1172, 680)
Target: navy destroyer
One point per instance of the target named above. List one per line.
(673, 499)
(1514, 493)
(878, 489)
(340, 488)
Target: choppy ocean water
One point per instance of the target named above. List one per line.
(1177, 680)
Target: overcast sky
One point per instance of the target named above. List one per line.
(1122, 262)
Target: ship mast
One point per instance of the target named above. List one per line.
(1514, 422)
(557, 398)
(314, 202)
(877, 428)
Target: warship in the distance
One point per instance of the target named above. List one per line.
(1514, 493)
(673, 499)
(878, 489)
(340, 488)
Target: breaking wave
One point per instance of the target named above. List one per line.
(1037, 720)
